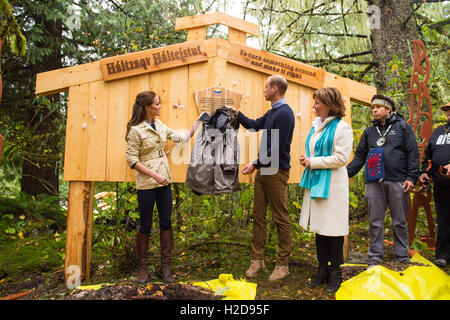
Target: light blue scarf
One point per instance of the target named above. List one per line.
(318, 180)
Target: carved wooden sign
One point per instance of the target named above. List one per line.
(272, 64)
(153, 60)
(213, 98)
(421, 116)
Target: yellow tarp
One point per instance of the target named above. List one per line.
(232, 289)
(415, 283)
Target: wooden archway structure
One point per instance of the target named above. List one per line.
(101, 95)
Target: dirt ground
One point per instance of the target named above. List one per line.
(45, 286)
(150, 291)
(50, 285)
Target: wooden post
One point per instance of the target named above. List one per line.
(236, 35)
(345, 248)
(79, 228)
(198, 33)
(196, 26)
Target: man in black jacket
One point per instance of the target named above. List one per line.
(436, 165)
(389, 151)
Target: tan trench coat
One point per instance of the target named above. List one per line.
(146, 145)
(329, 217)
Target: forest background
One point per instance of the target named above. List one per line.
(368, 41)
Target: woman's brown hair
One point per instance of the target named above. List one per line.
(143, 99)
(332, 98)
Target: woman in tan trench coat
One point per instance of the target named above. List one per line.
(146, 138)
(325, 179)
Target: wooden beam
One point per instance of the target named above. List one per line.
(358, 92)
(216, 18)
(235, 35)
(270, 63)
(196, 34)
(55, 81)
(59, 80)
(151, 60)
(79, 228)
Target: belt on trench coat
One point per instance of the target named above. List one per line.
(152, 155)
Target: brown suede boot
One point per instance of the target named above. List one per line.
(166, 241)
(142, 253)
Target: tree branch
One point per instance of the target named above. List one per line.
(333, 34)
(321, 61)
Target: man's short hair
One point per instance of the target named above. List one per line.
(280, 82)
(383, 100)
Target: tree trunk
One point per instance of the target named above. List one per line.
(397, 29)
(2, 42)
(40, 172)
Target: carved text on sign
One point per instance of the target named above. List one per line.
(213, 98)
(272, 64)
(153, 59)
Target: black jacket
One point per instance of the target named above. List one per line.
(439, 154)
(400, 156)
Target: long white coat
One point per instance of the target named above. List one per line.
(329, 217)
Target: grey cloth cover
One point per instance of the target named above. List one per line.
(214, 165)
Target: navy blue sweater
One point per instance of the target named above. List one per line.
(281, 118)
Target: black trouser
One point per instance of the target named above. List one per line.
(330, 249)
(442, 203)
(146, 201)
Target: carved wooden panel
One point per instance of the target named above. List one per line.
(422, 122)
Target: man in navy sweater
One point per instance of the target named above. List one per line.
(272, 174)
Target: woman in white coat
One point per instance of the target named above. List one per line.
(325, 200)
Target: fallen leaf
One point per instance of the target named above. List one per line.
(149, 287)
(158, 293)
(140, 291)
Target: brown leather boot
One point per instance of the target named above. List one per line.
(166, 240)
(142, 253)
